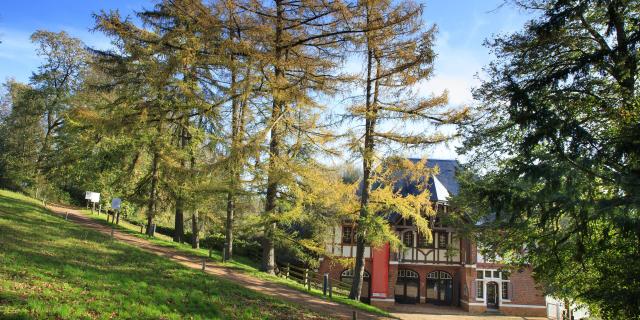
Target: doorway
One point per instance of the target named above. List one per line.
(492, 295)
(347, 277)
(439, 288)
(407, 287)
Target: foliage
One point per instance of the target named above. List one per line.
(397, 53)
(556, 144)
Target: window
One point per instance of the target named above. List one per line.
(496, 274)
(423, 241)
(505, 275)
(407, 239)
(347, 234)
(479, 290)
(505, 290)
(406, 273)
(480, 274)
(487, 274)
(442, 240)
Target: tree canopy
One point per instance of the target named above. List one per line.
(557, 142)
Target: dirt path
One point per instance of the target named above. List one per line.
(316, 304)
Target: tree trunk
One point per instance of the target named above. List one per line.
(153, 194)
(178, 230)
(228, 252)
(268, 249)
(367, 164)
(195, 237)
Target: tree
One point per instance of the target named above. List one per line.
(21, 137)
(398, 53)
(159, 100)
(557, 137)
(57, 81)
(297, 46)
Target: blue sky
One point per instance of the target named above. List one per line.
(463, 26)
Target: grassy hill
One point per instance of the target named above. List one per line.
(53, 269)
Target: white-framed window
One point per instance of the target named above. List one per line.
(505, 286)
(493, 275)
(407, 239)
(479, 290)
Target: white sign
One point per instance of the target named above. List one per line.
(115, 203)
(95, 197)
(87, 195)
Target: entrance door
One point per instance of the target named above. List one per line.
(407, 288)
(439, 288)
(347, 277)
(492, 295)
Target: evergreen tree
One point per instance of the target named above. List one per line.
(557, 139)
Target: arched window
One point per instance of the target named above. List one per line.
(349, 273)
(406, 273)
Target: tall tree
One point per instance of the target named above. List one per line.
(397, 50)
(558, 138)
(57, 81)
(21, 137)
(297, 44)
(155, 75)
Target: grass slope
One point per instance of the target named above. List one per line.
(242, 264)
(54, 269)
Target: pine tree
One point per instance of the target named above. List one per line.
(557, 140)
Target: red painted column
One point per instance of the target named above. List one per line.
(380, 272)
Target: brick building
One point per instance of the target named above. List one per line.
(445, 271)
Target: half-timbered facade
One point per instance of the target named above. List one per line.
(442, 270)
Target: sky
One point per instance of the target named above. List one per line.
(463, 27)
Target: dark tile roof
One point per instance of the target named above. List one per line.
(446, 176)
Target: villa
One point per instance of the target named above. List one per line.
(445, 271)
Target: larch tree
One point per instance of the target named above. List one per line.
(155, 75)
(397, 55)
(297, 44)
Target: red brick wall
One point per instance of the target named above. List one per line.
(335, 269)
(525, 290)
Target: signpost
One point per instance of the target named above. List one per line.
(92, 197)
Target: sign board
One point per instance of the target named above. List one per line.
(115, 203)
(95, 197)
(87, 195)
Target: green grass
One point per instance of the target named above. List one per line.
(54, 269)
(239, 263)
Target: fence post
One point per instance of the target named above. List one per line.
(141, 226)
(307, 278)
(66, 215)
(355, 315)
(325, 283)
(210, 253)
(330, 289)
(286, 275)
